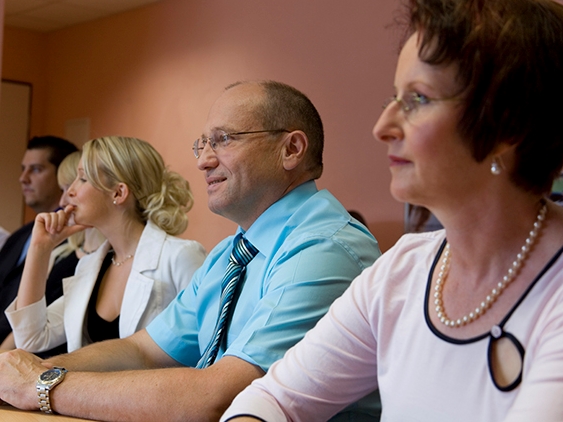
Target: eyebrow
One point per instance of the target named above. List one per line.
(33, 165)
(223, 129)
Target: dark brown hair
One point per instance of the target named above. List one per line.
(509, 55)
(58, 148)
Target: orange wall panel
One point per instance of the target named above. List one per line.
(154, 72)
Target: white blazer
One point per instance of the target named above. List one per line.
(163, 266)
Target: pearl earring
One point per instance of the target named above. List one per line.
(495, 167)
(114, 202)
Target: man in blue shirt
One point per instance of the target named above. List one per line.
(260, 153)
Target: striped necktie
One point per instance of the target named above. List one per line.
(242, 254)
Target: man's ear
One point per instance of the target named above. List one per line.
(120, 193)
(295, 149)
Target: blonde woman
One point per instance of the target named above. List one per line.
(84, 242)
(77, 245)
(123, 190)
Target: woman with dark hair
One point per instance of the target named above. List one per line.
(464, 323)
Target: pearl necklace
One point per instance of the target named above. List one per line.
(496, 292)
(120, 263)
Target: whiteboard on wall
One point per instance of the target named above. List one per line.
(15, 109)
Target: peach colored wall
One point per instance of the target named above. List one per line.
(24, 59)
(154, 72)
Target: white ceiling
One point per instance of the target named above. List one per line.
(48, 15)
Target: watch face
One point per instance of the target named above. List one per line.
(50, 375)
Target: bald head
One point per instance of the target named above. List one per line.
(278, 105)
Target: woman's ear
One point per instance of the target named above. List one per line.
(295, 149)
(503, 157)
(504, 148)
(120, 193)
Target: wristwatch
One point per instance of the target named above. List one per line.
(45, 383)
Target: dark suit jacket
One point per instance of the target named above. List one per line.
(10, 274)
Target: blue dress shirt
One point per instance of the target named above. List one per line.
(310, 250)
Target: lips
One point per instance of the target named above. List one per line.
(397, 161)
(214, 180)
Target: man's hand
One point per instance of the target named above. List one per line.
(19, 371)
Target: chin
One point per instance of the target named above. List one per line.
(403, 192)
(217, 206)
(77, 220)
(400, 194)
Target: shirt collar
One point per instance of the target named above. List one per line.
(265, 231)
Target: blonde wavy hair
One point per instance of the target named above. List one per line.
(162, 196)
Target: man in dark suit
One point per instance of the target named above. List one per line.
(41, 193)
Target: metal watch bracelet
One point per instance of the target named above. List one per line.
(45, 384)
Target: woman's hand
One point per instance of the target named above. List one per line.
(51, 228)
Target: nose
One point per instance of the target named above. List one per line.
(64, 197)
(24, 176)
(388, 126)
(70, 192)
(207, 158)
